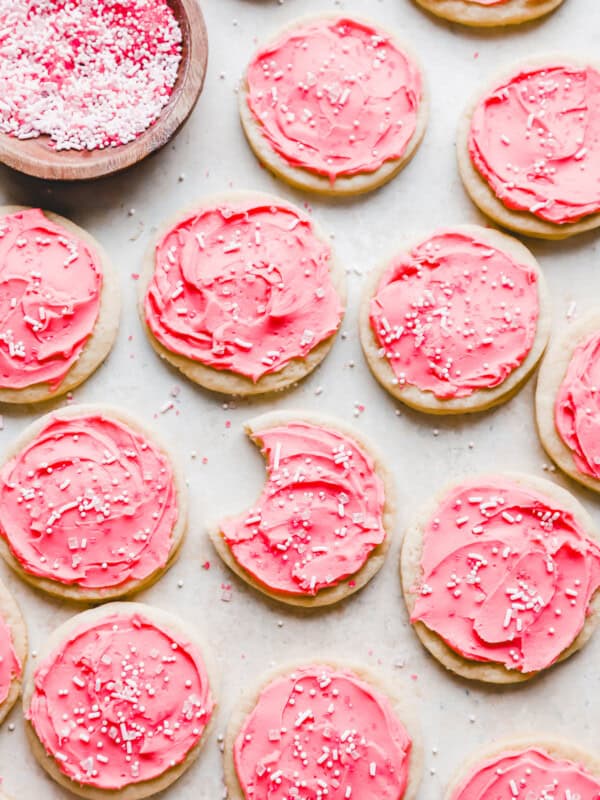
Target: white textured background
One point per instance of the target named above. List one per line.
(248, 634)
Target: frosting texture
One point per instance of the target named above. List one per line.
(535, 139)
(528, 774)
(577, 407)
(322, 733)
(507, 575)
(50, 285)
(89, 502)
(320, 514)
(10, 665)
(120, 701)
(335, 97)
(455, 315)
(244, 287)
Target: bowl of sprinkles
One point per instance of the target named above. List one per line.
(91, 87)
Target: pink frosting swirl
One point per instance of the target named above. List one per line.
(320, 514)
(244, 287)
(50, 285)
(321, 732)
(530, 773)
(89, 502)
(577, 406)
(507, 575)
(535, 139)
(120, 701)
(455, 315)
(10, 665)
(335, 96)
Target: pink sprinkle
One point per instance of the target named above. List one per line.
(206, 565)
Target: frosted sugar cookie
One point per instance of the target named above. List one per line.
(529, 768)
(456, 322)
(568, 403)
(489, 13)
(242, 294)
(120, 701)
(325, 728)
(334, 105)
(529, 147)
(92, 507)
(13, 651)
(501, 576)
(59, 305)
(321, 528)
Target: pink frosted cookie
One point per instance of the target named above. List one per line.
(120, 701)
(243, 294)
(13, 651)
(59, 305)
(321, 528)
(91, 507)
(568, 402)
(501, 577)
(334, 105)
(456, 322)
(524, 769)
(489, 13)
(323, 730)
(529, 148)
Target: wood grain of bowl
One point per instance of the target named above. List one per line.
(36, 157)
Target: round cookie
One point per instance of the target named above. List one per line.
(376, 518)
(133, 447)
(401, 708)
(165, 626)
(488, 15)
(494, 623)
(362, 173)
(95, 340)
(558, 363)
(11, 622)
(440, 393)
(246, 373)
(521, 219)
(553, 748)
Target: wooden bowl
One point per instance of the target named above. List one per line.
(36, 157)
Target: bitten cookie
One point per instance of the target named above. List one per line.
(59, 305)
(528, 767)
(242, 294)
(13, 651)
(456, 322)
(501, 576)
(334, 105)
(489, 13)
(121, 701)
(568, 403)
(92, 506)
(322, 526)
(321, 726)
(529, 147)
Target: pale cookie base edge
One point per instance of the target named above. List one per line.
(403, 708)
(13, 618)
(305, 179)
(411, 573)
(481, 399)
(225, 381)
(131, 586)
(101, 341)
(556, 747)
(552, 373)
(478, 189)
(377, 557)
(134, 791)
(515, 12)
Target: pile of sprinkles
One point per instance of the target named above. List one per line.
(89, 74)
